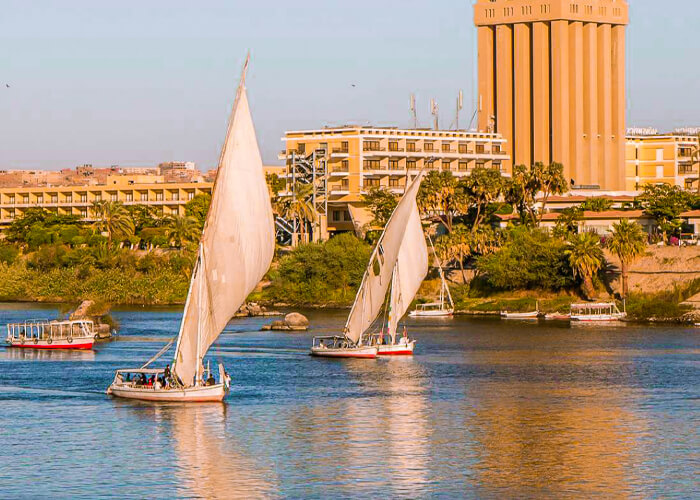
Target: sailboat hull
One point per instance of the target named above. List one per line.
(203, 394)
(346, 352)
(400, 349)
(442, 313)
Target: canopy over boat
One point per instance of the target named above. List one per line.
(237, 243)
(409, 272)
(378, 276)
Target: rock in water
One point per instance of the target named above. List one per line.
(82, 311)
(296, 320)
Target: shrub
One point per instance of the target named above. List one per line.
(8, 254)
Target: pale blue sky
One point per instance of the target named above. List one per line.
(139, 82)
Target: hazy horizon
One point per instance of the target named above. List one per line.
(139, 84)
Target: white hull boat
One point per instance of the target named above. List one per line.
(526, 315)
(445, 307)
(431, 313)
(400, 261)
(404, 347)
(605, 312)
(76, 334)
(235, 251)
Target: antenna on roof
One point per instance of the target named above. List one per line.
(434, 111)
(413, 110)
(460, 105)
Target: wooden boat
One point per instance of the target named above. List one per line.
(522, 315)
(444, 307)
(235, 251)
(399, 260)
(77, 334)
(601, 312)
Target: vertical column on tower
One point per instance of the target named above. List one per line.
(504, 85)
(560, 95)
(605, 149)
(487, 76)
(591, 139)
(576, 102)
(618, 106)
(522, 90)
(540, 92)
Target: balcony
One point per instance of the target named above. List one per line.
(340, 151)
(687, 170)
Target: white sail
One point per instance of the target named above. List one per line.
(378, 275)
(237, 244)
(409, 272)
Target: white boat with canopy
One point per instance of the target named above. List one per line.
(392, 264)
(596, 312)
(444, 307)
(69, 334)
(235, 251)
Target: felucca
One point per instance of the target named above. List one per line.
(235, 251)
(381, 272)
(444, 307)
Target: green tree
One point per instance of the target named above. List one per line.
(113, 218)
(665, 203)
(586, 258)
(551, 182)
(181, 230)
(275, 184)
(483, 187)
(144, 216)
(628, 241)
(567, 222)
(597, 204)
(198, 207)
(298, 206)
(381, 203)
(440, 197)
(521, 190)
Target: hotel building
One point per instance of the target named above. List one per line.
(167, 198)
(356, 158)
(654, 158)
(552, 82)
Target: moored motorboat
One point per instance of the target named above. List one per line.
(74, 334)
(399, 260)
(522, 315)
(600, 312)
(444, 307)
(235, 251)
(557, 317)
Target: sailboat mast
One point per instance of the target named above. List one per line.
(391, 327)
(199, 318)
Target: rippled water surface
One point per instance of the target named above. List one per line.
(485, 409)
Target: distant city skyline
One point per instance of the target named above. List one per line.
(143, 83)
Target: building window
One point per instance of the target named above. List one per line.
(411, 147)
(371, 164)
(371, 146)
(659, 171)
(83, 197)
(463, 166)
(54, 198)
(69, 198)
(462, 148)
(144, 196)
(446, 147)
(445, 164)
(496, 165)
(480, 149)
(411, 164)
(345, 165)
(11, 199)
(83, 213)
(113, 197)
(345, 184)
(11, 213)
(496, 148)
(25, 199)
(344, 146)
(175, 196)
(394, 183)
(129, 196)
(393, 164)
(372, 183)
(159, 196)
(393, 146)
(480, 164)
(428, 146)
(40, 198)
(301, 148)
(98, 196)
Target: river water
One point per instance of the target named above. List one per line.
(486, 409)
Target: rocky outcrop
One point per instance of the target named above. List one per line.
(292, 322)
(252, 309)
(88, 310)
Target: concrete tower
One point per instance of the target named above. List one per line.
(552, 81)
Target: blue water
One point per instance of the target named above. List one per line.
(486, 409)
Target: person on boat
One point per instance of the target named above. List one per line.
(166, 372)
(157, 384)
(321, 344)
(210, 380)
(128, 378)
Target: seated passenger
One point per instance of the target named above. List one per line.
(210, 380)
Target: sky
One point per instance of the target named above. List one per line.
(141, 82)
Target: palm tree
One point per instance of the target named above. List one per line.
(299, 207)
(628, 242)
(460, 241)
(552, 181)
(585, 258)
(438, 196)
(113, 218)
(182, 229)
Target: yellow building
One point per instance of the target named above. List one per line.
(552, 82)
(167, 198)
(654, 158)
(350, 160)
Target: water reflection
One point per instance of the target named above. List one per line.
(568, 434)
(47, 354)
(209, 464)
